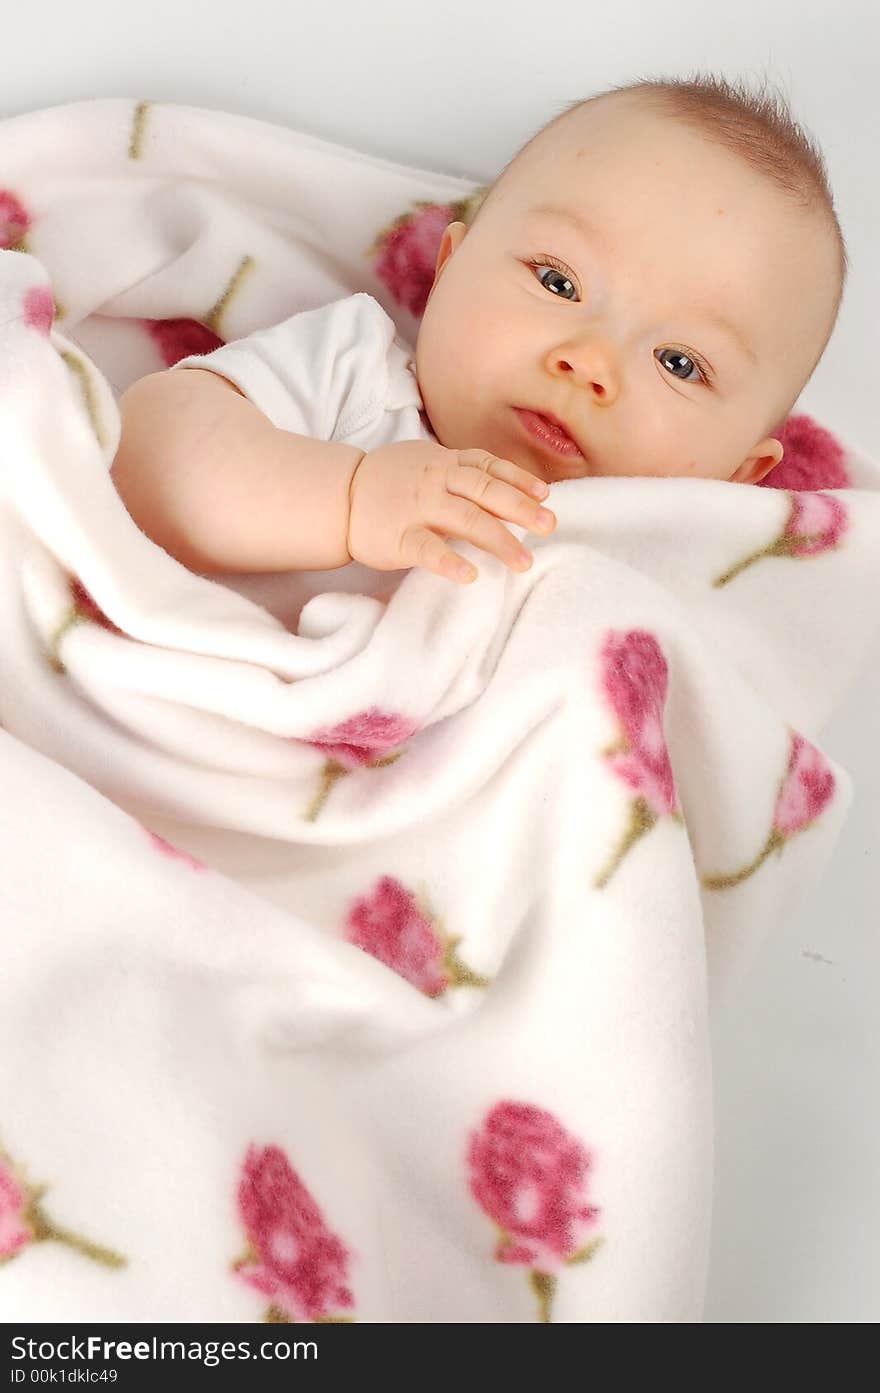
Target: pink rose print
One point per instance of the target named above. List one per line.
(87, 608)
(815, 524)
(367, 738)
(813, 458)
(292, 1256)
(392, 925)
(14, 220)
(804, 794)
(168, 850)
(39, 308)
(359, 739)
(405, 252)
(807, 788)
(179, 338)
(15, 1231)
(23, 1220)
(83, 609)
(527, 1174)
(634, 676)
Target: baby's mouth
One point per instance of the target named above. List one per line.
(548, 433)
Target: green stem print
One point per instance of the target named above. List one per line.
(23, 1220)
(641, 820)
(804, 793)
(544, 1285)
(451, 965)
(775, 842)
(816, 523)
(783, 546)
(44, 1229)
(332, 771)
(276, 1316)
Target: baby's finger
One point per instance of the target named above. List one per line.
(505, 469)
(420, 547)
(455, 516)
(484, 486)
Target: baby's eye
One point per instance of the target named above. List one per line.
(546, 262)
(676, 353)
(549, 263)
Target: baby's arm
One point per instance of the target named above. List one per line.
(208, 477)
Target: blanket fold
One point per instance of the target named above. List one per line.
(360, 967)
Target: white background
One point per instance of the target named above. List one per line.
(458, 87)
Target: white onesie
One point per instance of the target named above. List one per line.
(334, 373)
(338, 372)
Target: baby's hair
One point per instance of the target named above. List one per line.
(756, 126)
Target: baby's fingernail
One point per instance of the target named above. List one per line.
(540, 489)
(465, 571)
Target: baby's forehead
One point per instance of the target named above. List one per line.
(604, 140)
(596, 208)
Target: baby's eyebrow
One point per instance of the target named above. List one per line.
(733, 331)
(581, 225)
(590, 232)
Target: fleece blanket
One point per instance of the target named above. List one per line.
(361, 967)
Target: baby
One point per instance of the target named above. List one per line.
(633, 297)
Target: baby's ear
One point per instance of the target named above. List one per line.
(765, 456)
(452, 235)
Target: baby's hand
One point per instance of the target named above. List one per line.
(407, 497)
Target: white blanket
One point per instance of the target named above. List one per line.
(364, 971)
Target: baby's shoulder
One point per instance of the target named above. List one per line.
(350, 320)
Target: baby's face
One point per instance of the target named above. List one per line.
(623, 341)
